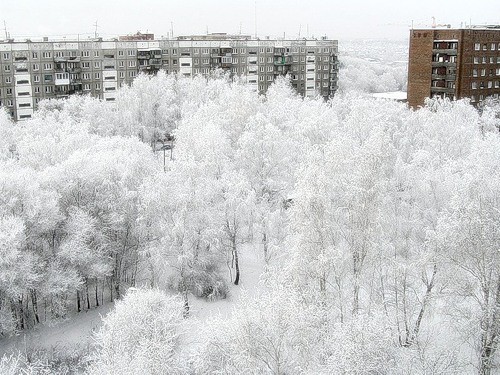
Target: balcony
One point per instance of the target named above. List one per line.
(446, 51)
(74, 70)
(283, 60)
(447, 77)
(446, 90)
(443, 63)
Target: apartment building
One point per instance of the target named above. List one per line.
(32, 71)
(454, 63)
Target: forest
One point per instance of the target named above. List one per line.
(377, 227)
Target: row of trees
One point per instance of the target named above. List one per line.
(377, 223)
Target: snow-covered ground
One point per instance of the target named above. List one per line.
(77, 331)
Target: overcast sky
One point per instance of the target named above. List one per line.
(346, 19)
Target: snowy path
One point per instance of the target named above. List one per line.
(73, 332)
(76, 332)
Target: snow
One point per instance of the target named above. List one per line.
(76, 331)
(393, 95)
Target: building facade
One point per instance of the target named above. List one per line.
(454, 63)
(32, 71)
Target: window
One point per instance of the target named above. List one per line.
(484, 60)
(47, 66)
(59, 54)
(97, 64)
(36, 78)
(490, 84)
(270, 68)
(131, 64)
(21, 105)
(96, 53)
(474, 85)
(261, 69)
(86, 86)
(47, 77)
(131, 74)
(493, 46)
(269, 60)
(122, 75)
(483, 72)
(37, 89)
(269, 78)
(497, 71)
(36, 66)
(85, 64)
(174, 52)
(174, 61)
(476, 60)
(121, 64)
(46, 55)
(131, 52)
(205, 51)
(48, 89)
(34, 55)
(261, 60)
(97, 75)
(9, 91)
(6, 68)
(186, 64)
(497, 84)
(477, 46)
(120, 53)
(86, 76)
(242, 51)
(85, 53)
(261, 78)
(8, 79)
(97, 86)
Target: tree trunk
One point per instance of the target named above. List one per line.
(78, 303)
(87, 295)
(236, 261)
(96, 292)
(425, 302)
(34, 303)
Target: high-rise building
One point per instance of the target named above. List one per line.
(454, 63)
(31, 71)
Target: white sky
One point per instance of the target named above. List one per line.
(346, 19)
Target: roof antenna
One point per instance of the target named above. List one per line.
(95, 30)
(7, 36)
(255, 18)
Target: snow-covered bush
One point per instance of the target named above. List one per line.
(140, 335)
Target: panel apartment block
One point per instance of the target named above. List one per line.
(454, 63)
(32, 71)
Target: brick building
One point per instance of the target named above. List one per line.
(454, 63)
(31, 71)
